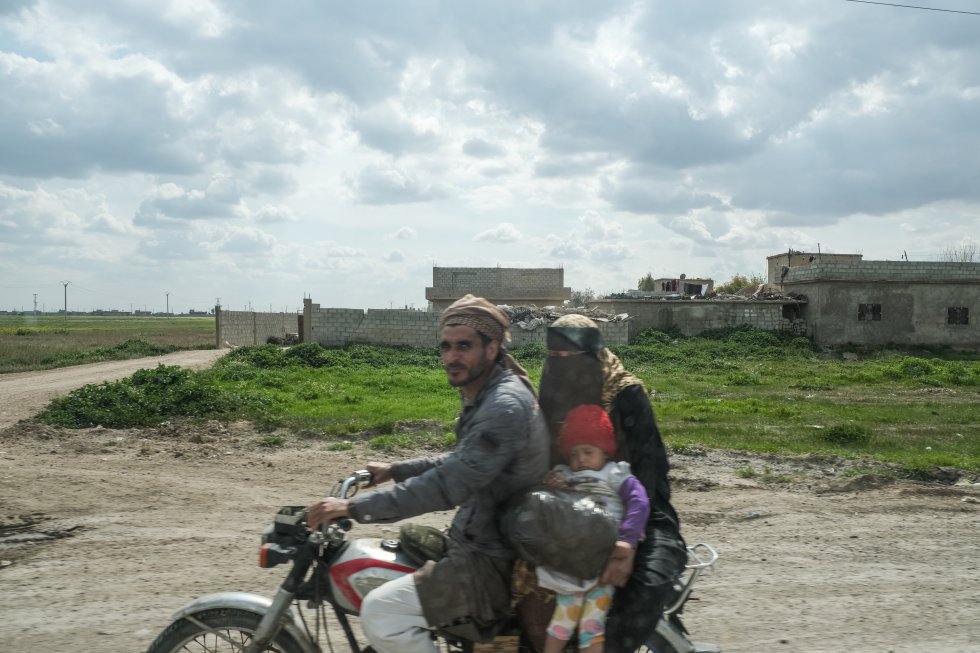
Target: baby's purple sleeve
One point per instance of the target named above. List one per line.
(636, 509)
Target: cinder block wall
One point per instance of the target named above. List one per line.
(337, 327)
(236, 328)
(331, 327)
(695, 317)
(907, 271)
(398, 327)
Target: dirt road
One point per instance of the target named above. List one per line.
(128, 525)
(25, 393)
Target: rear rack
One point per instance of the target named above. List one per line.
(700, 557)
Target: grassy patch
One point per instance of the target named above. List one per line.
(45, 342)
(741, 390)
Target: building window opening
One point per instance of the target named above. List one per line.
(869, 312)
(958, 315)
(791, 311)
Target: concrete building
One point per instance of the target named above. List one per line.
(883, 302)
(512, 286)
(780, 264)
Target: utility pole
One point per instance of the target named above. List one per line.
(35, 303)
(65, 284)
(167, 293)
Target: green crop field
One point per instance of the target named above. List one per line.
(44, 342)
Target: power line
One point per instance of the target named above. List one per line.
(892, 4)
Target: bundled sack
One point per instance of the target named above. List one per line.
(563, 530)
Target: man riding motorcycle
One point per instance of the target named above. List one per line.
(502, 449)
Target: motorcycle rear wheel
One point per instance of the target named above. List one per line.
(236, 627)
(656, 644)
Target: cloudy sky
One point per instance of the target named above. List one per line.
(172, 153)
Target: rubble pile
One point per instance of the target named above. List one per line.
(762, 293)
(532, 317)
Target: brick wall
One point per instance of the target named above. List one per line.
(698, 316)
(911, 272)
(514, 286)
(236, 328)
(337, 327)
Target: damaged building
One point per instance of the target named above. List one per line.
(888, 302)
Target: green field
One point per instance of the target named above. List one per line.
(44, 342)
(746, 389)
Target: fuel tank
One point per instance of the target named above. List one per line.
(363, 565)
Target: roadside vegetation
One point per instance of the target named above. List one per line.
(742, 389)
(47, 341)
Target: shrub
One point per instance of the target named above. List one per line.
(264, 356)
(658, 336)
(310, 354)
(915, 367)
(148, 397)
(533, 351)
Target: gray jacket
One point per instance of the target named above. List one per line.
(501, 449)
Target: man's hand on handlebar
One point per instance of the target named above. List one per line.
(380, 472)
(325, 511)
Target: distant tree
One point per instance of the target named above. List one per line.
(965, 252)
(740, 281)
(646, 283)
(580, 297)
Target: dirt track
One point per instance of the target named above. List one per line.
(25, 393)
(140, 521)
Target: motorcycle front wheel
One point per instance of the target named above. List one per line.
(230, 630)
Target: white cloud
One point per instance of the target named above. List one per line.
(280, 152)
(405, 233)
(502, 233)
(274, 213)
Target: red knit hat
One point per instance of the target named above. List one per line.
(587, 424)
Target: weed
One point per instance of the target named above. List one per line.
(340, 446)
(308, 392)
(743, 378)
(846, 434)
(745, 472)
(392, 442)
(687, 450)
(272, 441)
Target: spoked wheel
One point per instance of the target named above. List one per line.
(230, 631)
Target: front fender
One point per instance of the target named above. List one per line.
(254, 603)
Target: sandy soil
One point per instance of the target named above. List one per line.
(104, 533)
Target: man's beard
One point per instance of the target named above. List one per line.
(473, 373)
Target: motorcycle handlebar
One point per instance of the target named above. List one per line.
(350, 485)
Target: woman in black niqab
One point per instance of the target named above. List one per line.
(581, 370)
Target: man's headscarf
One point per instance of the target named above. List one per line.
(479, 314)
(485, 318)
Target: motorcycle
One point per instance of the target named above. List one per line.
(331, 571)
